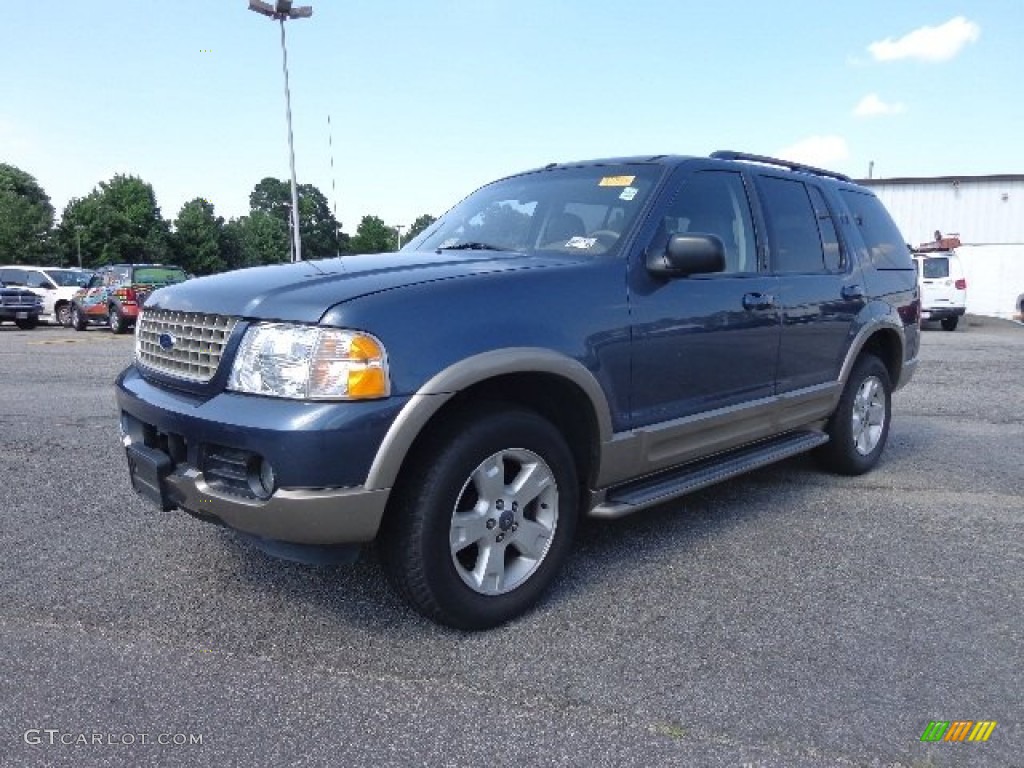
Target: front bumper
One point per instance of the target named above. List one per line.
(177, 444)
(322, 517)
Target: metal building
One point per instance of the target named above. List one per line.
(985, 212)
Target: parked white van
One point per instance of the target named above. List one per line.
(54, 285)
(943, 287)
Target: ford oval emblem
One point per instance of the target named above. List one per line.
(167, 341)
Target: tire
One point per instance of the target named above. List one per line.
(452, 515)
(78, 321)
(950, 323)
(118, 324)
(62, 314)
(859, 427)
(27, 324)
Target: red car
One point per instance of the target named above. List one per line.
(117, 291)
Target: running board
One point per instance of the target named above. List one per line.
(666, 486)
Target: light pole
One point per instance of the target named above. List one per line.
(78, 237)
(398, 229)
(282, 11)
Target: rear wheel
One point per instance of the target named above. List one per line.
(484, 518)
(62, 313)
(118, 323)
(859, 427)
(950, 323)
(78, 321)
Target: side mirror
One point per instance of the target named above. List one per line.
(688, 255)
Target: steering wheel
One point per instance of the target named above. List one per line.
(606, 237)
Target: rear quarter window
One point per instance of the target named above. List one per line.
(886, 247)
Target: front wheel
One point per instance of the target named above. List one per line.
(859, 427)
(27, 324)
(484, 518)
(950, 323)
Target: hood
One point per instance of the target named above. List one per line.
(304, 291)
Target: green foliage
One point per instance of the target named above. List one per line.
(319, 230)
(26, 218)
(198, 238)
(118, 222)
(263, 239)
(373, 236)
(420, 225)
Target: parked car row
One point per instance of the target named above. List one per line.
(78, 298)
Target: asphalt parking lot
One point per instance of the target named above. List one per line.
(787, 619)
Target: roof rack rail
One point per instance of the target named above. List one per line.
(728, 154)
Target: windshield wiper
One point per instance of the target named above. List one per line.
(472, 246)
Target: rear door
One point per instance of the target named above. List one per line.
(820, 290)
(938, 283)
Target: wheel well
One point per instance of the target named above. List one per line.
(887, 347)
(558, 400)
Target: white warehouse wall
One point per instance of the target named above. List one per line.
(986, 212)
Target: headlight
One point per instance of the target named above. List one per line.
(309, 362)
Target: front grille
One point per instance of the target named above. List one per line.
(19, 300)
(193, 343)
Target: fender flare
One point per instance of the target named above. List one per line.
(443, 386)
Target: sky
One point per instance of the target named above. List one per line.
(403, 107)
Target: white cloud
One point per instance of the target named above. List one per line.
(928, 43)
(872, 106)
(825, 151)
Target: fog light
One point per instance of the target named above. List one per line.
(262, 480)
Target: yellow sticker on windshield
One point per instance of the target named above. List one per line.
(616, 181)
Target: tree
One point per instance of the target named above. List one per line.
(263, 239)
(374, 236)
(197, 238)
(420, 225)
(117, 222)
(26, 218)
(320, 232)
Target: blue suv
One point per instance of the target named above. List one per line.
(590, 338)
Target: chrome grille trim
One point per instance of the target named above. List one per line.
(199, 342)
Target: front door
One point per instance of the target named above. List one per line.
(703, 342)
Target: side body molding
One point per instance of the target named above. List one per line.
(436, 392)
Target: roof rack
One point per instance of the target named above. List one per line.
(728, 154)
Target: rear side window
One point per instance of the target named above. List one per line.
(886, 247)
(159, 275)
(793, 232)
(935, 268)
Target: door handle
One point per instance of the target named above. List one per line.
(758, 301)
(852, 292)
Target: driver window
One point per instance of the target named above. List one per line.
(714, 203)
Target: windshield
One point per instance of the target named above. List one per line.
(69, 278)
(159, 276)
(571, 210)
